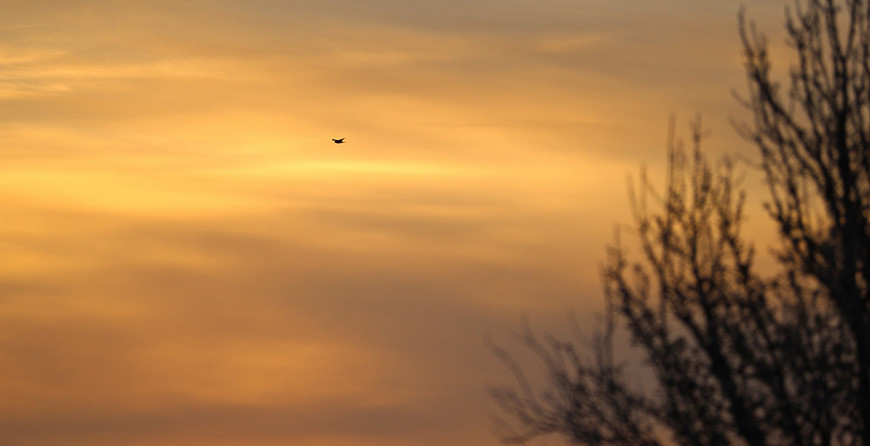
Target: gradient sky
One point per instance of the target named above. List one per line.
(188, 260)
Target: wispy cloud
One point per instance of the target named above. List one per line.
(188, 259)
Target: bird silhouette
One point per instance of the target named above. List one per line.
(338, 141)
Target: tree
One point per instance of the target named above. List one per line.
(739, 357)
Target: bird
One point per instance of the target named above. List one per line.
(338, 141)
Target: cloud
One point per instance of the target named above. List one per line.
(350, 281)
(188, 259)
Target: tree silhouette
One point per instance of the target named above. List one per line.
(738, 357)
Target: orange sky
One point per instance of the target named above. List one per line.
(188, 260)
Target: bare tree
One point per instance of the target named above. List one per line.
(739, 357)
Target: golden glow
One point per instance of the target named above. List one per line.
(188, 259)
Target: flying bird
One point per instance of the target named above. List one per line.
(338, 141)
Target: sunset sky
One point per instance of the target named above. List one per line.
(187, 259)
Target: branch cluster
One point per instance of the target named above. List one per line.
(740, 358)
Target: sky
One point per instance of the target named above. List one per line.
(187, 259)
